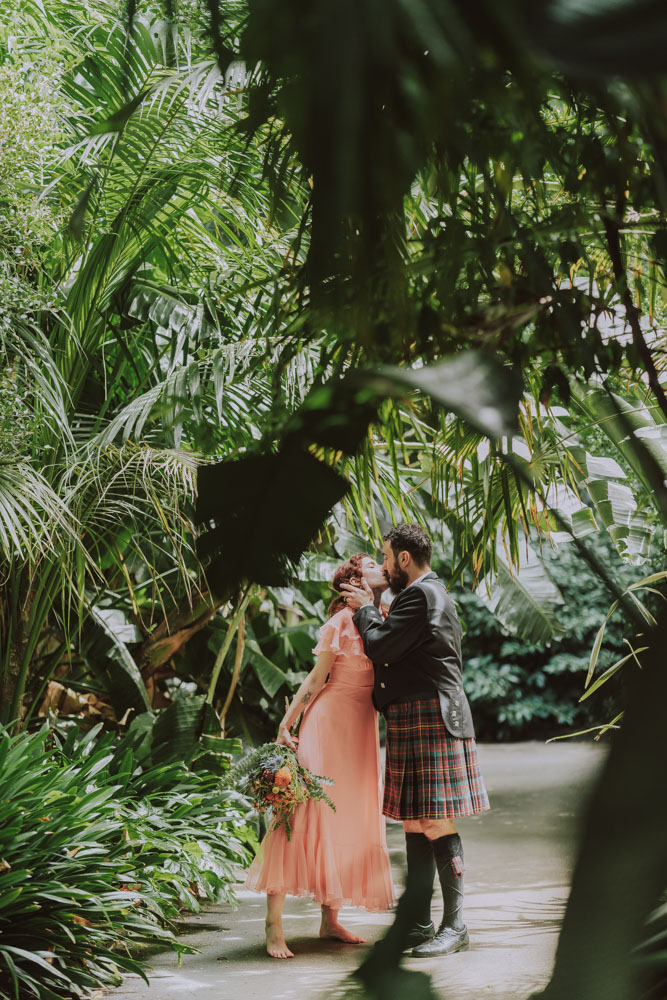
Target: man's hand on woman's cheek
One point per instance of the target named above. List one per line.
(356, 597)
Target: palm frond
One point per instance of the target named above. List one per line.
(34, 518)
(524, 600)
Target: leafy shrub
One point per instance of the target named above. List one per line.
(97, 854)
(522, 691)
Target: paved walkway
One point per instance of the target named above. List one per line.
(518, 861)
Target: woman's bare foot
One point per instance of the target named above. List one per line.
(275, 942)
(332, 929)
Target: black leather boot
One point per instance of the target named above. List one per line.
(452, 935)
(421, 872)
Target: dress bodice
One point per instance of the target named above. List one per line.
(351, 666)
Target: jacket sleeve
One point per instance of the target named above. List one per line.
(390, 639)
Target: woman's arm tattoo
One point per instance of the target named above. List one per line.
(305, 698)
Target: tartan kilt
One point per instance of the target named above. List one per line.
(429, 773)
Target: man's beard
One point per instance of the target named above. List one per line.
(398, 580)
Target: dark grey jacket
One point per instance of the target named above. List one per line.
(417, 649)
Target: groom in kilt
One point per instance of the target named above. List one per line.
(431, 771)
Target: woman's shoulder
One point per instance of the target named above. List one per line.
(341, 617)
(337, 633)
(343, 626)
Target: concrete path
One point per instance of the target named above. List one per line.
(518, 863)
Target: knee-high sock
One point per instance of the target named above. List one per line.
(421, 872)
(448, 853)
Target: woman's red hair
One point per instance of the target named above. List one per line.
(349, 572)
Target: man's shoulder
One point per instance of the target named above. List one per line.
(430, 582)
(435, 591)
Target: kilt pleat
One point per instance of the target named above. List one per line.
(429, 773)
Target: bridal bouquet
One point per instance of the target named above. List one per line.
(275, 781)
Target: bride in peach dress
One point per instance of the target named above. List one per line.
(335, 857)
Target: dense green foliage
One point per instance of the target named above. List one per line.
(520, 690)
(165, 317)
(100, 851)
(271, 282)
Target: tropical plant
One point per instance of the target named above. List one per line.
(448, 194)
(519, 689)
(100, 850)
(545, 201)
(197, 333)
(139, 329)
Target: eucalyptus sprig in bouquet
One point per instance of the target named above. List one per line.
(275, 780)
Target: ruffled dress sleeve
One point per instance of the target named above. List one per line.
(339, 635)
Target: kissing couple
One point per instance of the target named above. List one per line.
(405, 663)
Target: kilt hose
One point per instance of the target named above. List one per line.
(429, 773)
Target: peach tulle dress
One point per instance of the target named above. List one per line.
(336, 857)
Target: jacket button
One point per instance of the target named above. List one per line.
(457, 702)
(457, 723)
(382, 684)
(453, 715)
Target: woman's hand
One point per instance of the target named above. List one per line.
(286, 739)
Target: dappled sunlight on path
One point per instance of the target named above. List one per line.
(518, 859)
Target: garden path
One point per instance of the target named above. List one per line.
(518, 861)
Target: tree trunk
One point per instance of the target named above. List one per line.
(18, 593)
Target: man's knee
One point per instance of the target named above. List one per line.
(434, 828)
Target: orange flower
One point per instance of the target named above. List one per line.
(283, 777)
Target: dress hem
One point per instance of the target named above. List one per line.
(334, 902)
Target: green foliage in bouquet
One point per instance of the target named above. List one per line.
(274, 779)
(99, 852)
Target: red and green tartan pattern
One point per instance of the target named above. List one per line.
(429, 773)
(457, 865)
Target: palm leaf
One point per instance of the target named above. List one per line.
(109, 659)
(33, 516)
(524, 601)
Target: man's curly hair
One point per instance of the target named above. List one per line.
(413, 539)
